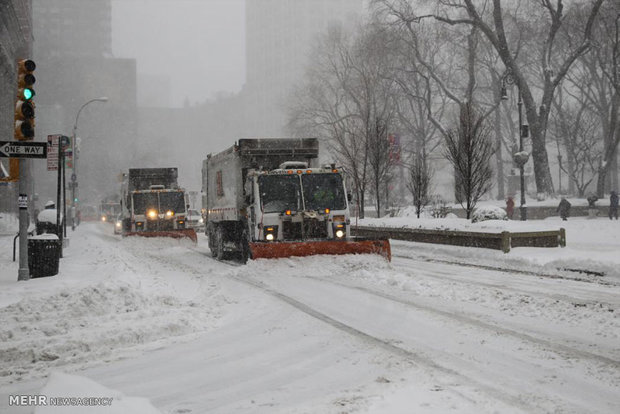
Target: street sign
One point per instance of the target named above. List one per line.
(22, 201)
(52, 151)
(23, 149)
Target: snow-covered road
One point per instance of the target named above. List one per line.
(161, 319)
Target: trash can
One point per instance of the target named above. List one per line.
(43, 255)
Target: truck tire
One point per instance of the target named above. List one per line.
(244, 248)
(219, 242)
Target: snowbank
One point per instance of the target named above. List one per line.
(9, 224)
(49, 216)
(591, 244)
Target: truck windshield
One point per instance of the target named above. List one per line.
(143, 202)
(323, 191)
(174, 200)
(161, 202)
(280, 193)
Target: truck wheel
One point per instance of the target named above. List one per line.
(244, 248)
(219, 243)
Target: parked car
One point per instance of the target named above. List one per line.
(194, 220)
(118, 224)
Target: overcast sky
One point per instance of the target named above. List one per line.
(198, 44)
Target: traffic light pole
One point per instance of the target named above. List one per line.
(24, 185)
(24, 131)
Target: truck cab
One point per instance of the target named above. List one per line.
(295, 202)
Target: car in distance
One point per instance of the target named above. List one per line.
(194, 220)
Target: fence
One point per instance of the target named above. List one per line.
(503, 241)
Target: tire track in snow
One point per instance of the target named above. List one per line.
(555, 296)
(569, 351)
(408, 355)
(426, 259)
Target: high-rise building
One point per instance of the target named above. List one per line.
(279, 35)
(72, 49)
(73, 28)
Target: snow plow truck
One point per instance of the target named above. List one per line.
(264, 198)
(153, 204)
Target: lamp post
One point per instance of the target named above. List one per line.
(521, 157)
(74, 185)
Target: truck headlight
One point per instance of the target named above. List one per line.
(201, 220)
(118, 224)
(152, 214)
(169, 213)
(271, 232)
(340, 231)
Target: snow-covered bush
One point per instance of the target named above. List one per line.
(483, 213)
(438, 208)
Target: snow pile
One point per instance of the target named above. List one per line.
(9, 224)
(49, 216)
(591, 244)
(44, 236)
(103, 400)
(96, 322)
(488, 212)
(101, 308)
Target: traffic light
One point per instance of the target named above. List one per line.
(24, 108)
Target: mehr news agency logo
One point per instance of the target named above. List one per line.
(44, 400)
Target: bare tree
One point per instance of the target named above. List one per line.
(554, 62)
(420, 178)
(596, 79)
(469, 149)
(348, 100)
(372, 92)
(576, 128)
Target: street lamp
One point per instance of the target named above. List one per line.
(74, 190)
(521, 157)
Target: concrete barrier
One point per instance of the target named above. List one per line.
(503, 241)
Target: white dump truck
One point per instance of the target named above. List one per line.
(153, 204)
(265, 198)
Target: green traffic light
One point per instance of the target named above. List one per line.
(28, 93)
(75, 200)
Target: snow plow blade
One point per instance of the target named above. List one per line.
(175, 234)
(273, 250)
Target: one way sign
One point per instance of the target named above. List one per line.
(23, 149)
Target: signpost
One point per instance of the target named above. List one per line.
(23, 149)
(52, 151)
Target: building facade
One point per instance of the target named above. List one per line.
(15, 44)
(73, 28)
(73, 51)
(279, 36)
